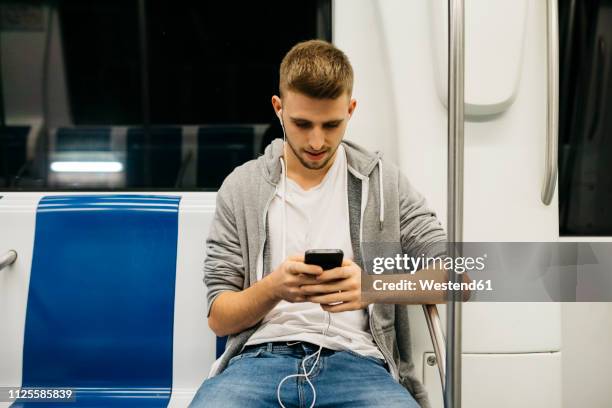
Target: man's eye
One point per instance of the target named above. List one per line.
(303, 125)
(331, 125)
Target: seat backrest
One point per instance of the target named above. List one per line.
(100, 308)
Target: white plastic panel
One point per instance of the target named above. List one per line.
(494, 42)
(194, 343)
(503, 381)
(504, 154)
(17, 220)
(502, 327)
(359, 31)
(587, 361)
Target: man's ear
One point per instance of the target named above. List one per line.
(277, 104)
(352, 106)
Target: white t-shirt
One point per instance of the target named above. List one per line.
(316, 219)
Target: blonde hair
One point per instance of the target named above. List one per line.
(317, 69)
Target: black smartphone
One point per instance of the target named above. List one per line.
(325, 258)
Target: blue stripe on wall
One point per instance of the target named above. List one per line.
(100, 310)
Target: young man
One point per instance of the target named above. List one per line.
(299, 335)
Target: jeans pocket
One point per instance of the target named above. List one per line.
(368, 358)
(248, 354)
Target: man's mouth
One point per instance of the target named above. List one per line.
(315, 156)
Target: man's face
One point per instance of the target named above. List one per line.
(314, 127)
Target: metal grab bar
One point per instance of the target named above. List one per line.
(434, 324)
(8, 259)
(552, 106)
(456, 101)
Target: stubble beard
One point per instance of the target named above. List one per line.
(308, 165)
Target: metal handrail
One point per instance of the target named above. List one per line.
(8, 258)
(456, 102)
(434, 324)
(552, 106)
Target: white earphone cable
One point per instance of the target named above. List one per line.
(306, 375)
(317, 353)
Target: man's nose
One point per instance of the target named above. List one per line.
(316, 140)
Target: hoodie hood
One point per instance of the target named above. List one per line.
(359, 160)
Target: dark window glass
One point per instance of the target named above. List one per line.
(102, 61)
(154, 94)
(585, 125)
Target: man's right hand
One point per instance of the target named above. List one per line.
(290, 275)
(233, 312)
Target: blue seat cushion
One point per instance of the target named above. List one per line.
(100, 309)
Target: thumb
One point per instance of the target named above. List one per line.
(347, 262)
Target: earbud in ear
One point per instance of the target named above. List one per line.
(279, 114)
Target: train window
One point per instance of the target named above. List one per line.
(141, 94)
(585, 127)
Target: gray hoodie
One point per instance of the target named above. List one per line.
(236, 246)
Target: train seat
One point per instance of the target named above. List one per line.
(100, 306)
(103, 315)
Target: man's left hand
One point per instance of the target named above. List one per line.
(342, 284)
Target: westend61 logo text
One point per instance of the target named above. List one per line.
(412, 264)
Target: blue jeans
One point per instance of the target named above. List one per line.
(341, 379)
